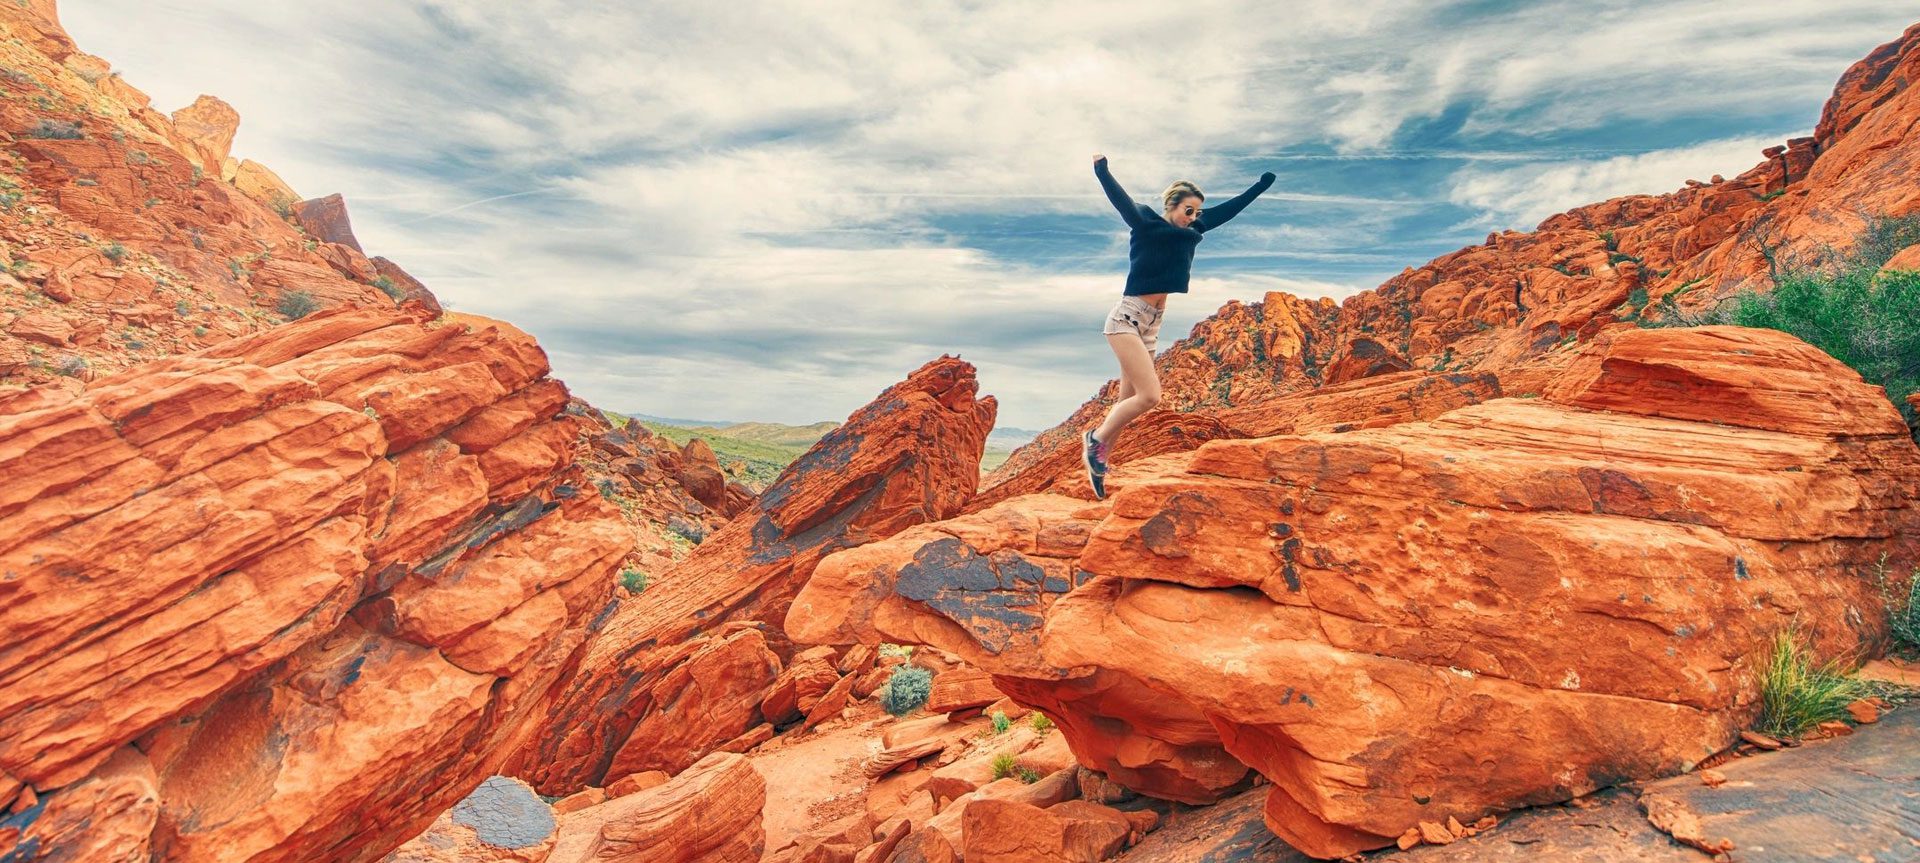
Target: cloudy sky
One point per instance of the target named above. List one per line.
(771, 211)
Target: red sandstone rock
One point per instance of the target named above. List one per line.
(636, 782)
(208, 125)
(1000, 831)
(710, 694)
(910, 456)
(326, 219)
(708, 814)
(961, 688)
(188, 538)
(1364, 584)
(411, 289)
(925, 846)
(800, 686)
(143, 211)
(109, 816)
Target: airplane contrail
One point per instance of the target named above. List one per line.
(432, 216)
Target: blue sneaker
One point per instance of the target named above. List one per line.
(1094, 454)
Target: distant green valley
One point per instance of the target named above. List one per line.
(767, 448)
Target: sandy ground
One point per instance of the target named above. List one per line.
(816, 779)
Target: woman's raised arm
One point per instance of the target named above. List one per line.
(1129, 211)
(1218, 214)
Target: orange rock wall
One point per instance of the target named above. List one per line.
(302, 577)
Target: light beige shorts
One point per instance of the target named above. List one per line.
(1137, 316)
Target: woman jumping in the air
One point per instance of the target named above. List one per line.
(1160, 255)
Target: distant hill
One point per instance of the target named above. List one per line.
(1009, 439)
(768, 448)
(777, 434)
(682, 422)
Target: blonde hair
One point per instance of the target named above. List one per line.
(1178, 192)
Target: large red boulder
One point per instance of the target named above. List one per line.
(1513, 603)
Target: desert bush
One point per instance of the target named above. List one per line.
(71, 367)
(1903, 608)
(1040, 722)
(1001, 723)
(392, 290)
(633, 580)
(907, 690)
(115, 252)
(1796, 693)
(58, 129)
(295, 305)
(1842, 304)
(1003, 765)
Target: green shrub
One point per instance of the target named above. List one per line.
(295, 305)
(1843, 305)
(115, 252)
(1027, 774)
(907, 690)
(1796, 694)
(1001, 723)
(1869, 321)
(71, 367)
(60, 129)
(633, 580)
(387, 287)
(1040, 722)
(1003, 765)
(1903, 609)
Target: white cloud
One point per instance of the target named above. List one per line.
(1528, 194)
(777, 207)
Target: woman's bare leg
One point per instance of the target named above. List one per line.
(1139, 386)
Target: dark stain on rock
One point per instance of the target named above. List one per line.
(1288, 569)
(985, 594)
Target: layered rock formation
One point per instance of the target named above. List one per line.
(1512, 603)
(673, 495)
(1516, 305)
(227, 572)
(129, 235)
(707, 634)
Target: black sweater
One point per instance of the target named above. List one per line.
(1159, 254)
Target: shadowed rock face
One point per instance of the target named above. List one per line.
(1517, 305)
(1513, 603)
(313, 574)
(909, 457)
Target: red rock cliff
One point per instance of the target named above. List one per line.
(295, 594)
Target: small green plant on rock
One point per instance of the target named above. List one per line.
(115, 252)
(1903, 608)
(294, 305)
(1796, 693)
(634, 580)
(1027, 774)
(1003, 765)
(55, 129)
(907, 690)
(1040, 722)
(1001, 723)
